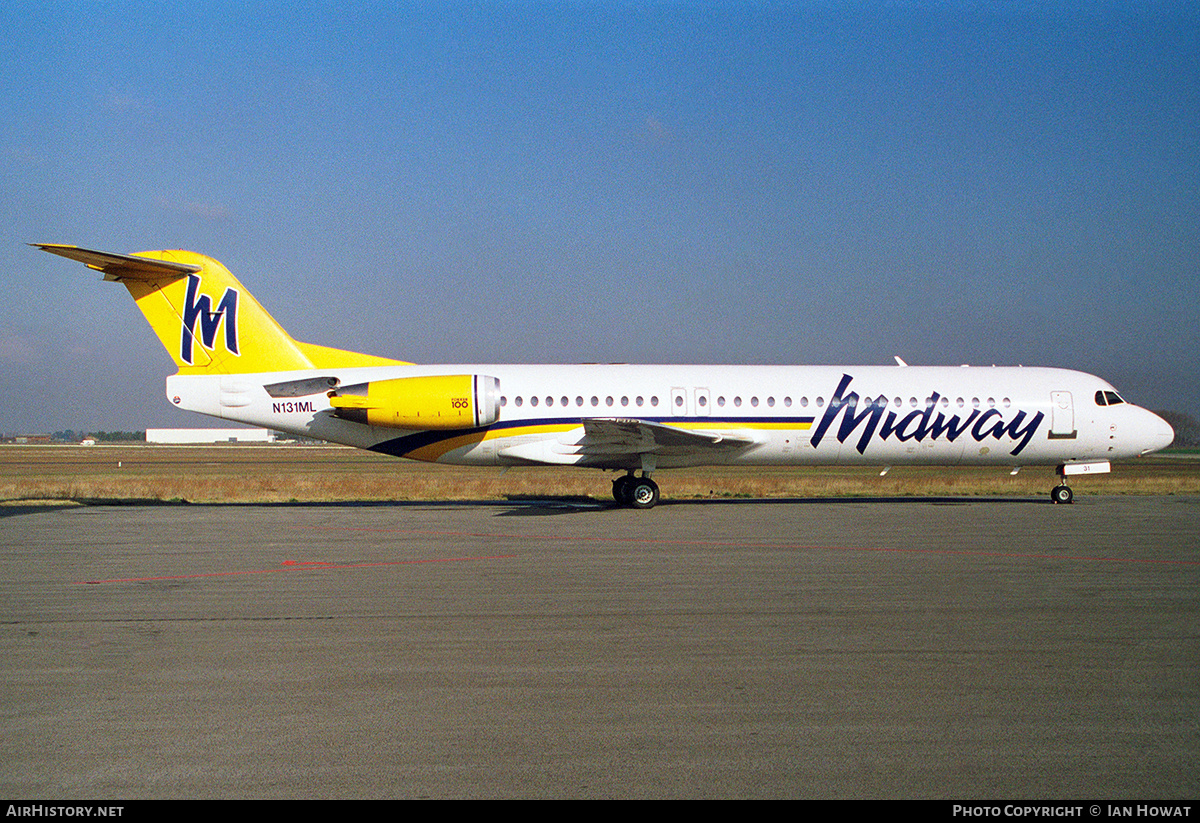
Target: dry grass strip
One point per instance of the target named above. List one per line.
(271, 474)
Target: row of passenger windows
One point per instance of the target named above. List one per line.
(702, 401)
(595, 401)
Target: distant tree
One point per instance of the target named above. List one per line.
(1187, 430)
(120, 437)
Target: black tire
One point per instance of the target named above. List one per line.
(1062, 494)
(643, 493)
(621, 489)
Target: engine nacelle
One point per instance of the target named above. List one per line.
(453, 401)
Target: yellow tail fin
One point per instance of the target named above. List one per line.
(206, 320)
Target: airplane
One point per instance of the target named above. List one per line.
(235, 362)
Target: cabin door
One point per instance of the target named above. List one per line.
(1062, 416)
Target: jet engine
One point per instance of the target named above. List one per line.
(453, 401)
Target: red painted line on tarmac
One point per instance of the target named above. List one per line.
(759, 545)
(295, 565)
(1032, 556)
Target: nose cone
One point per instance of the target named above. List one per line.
(1156, 433)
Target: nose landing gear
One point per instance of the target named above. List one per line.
(1062, 494)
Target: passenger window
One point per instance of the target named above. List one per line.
(578, 401)
(701, 401)
(595, 400)
(518, 400)
(503, 401)
(654, 400)
(754, 402)
(624, 401)
(639, 400)
(737, 401)
(533, 401)
(565, 401)
(608, 401)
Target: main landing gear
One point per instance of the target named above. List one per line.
(635, 492)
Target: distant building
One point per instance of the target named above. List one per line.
(181, 436)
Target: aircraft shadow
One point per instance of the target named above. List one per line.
(545, 505)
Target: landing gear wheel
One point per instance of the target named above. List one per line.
(643, 493)
(621, 488)
(1061, 494)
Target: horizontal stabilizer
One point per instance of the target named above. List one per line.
(121, 266)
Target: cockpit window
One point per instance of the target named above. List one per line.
(1108, 398)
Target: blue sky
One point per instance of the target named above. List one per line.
(658, 182)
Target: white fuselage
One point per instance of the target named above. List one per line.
(889, 415)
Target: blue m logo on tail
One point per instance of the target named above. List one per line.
(198, 307)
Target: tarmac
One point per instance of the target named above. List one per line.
(956, 648)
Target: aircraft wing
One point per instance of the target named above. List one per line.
(603, 435)
(624, 443)
(612, 442)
